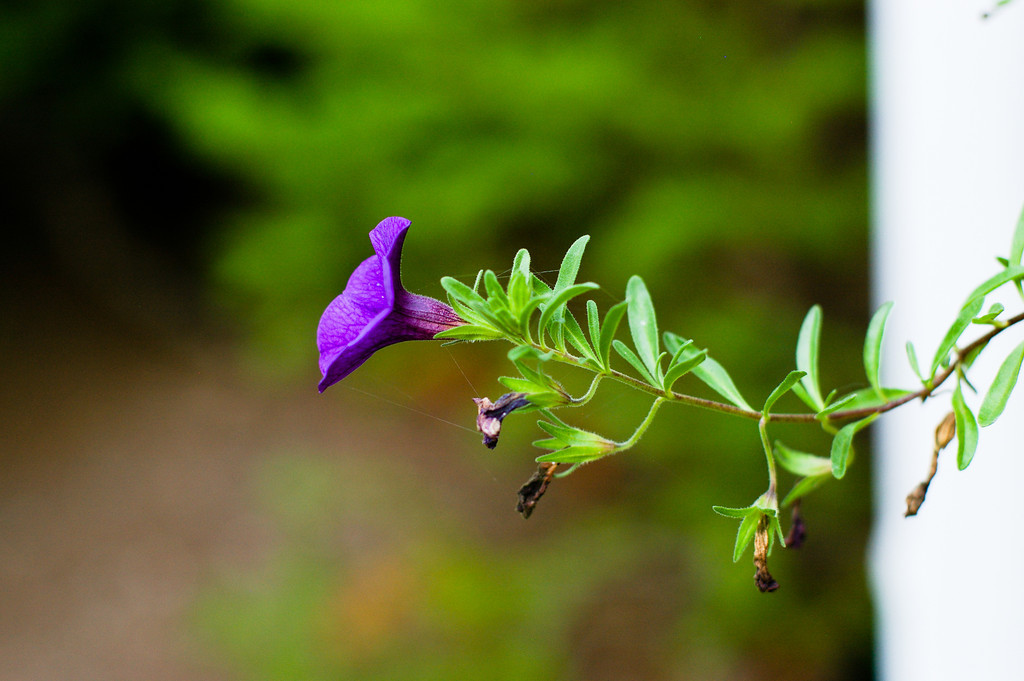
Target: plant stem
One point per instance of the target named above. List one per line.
(762, 427)
(642, 428)
(725, 408)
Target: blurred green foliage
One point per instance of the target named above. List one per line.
(717, 149)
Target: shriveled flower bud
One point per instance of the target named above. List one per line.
(946, 431)
(763, 578)
(490, 414)
(534, 488)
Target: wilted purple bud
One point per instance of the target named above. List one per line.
(375, 311)
(489, 414)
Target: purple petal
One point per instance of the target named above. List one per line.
(375, 311)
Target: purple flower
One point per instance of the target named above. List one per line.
(375, 311)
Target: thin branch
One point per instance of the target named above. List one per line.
(848, 414)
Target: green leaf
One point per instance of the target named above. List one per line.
(612, 319)
(745, 534)
(963, 320)
(782, 388)
(520, 283)
(679, 367)
(594, 324)
(990, 317)
(469, 332)
(1017, 246)
(805, 486)
(540, 287)
(868, 397)
(730, 512)
(521, 352)
(966, 430)
(1011, 273)
(833, 407)
(912, 358)
(554, 306)
(873, 345)
(495, 293)
(635, 361)
(999, 392)
(710, 372)
(642, 325)
(842, 443)
(801, 463)
(571, 264)
(571, 445)
(807, 355)
(574, 334)
(460, 292)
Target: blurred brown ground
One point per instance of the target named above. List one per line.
(122, 486)
(131, 461)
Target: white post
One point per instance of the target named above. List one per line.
(948, 150)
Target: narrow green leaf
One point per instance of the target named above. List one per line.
(717, 378)
(1017, 245)
(642, 324)
(571, 454)
(836, 406)
(521, 264)
(745, 534)
(528, 309)
(679, 368)
(612, 319)
(1011, 273)
(781, 389)
(554, 306)
(998, 394)
(807, 345)
(1017, 248)
(630, 356)
(966, 430)
(495, 293)
(963, 320)
(460, 292)
(565, 434)
(800, 392)
(470, 305)
(540, 287)
(518, 353)
(990, 317)
(912, 358)
(842, 443)
(873, 345)
(520, 283)
(805, 486)
(574, 334)
(866, 397)
(801, 463)
(571, 264)
(682, 352)
(710, 372)
(594, 324)
(730, 512)
(469, 332)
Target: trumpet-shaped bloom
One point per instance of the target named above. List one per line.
(375, 311)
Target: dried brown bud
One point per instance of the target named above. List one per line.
(534, 488)
(915, 499)
(944, 434)
(946, 431)
(763, 578)
(489, 414)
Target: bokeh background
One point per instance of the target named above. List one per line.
(187, 185)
